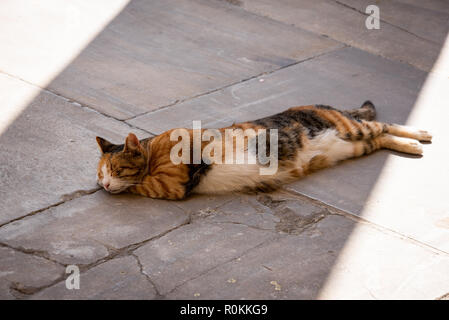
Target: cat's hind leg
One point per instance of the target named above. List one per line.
(409, 132)
(401, 144)
(366, 130)
(333, 149)
(387, 141)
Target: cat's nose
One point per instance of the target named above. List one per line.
(106, 185)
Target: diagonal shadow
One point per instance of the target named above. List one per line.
(153, 54)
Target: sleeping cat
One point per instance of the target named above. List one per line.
(308, 138)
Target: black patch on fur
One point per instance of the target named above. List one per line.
(291, 124)
(310, 120)
(196, 172)
(289, 134)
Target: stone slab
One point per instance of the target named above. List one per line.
(22, 274)
(48, 151)
(193, 249)
(338, 259)
(348, 26)
(86, 229)
(117, 279)
(152, 54)
(429, 21)
(344, 78)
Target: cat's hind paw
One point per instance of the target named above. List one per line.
(410, 132)
(407, 145)
(423, 135)
(401, 144)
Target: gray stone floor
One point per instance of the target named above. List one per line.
(371, 228)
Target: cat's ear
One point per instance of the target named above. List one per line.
(104, 144)
(132, 144)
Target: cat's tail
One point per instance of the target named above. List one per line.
(366, 112)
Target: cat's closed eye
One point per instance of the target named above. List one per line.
(121, 166)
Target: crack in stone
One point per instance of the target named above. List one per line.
(235, 83)
(65, 198)
(16, 293)
(386, 22)
(359, 219)
(73, 102)
(22, 291)
(141, 268)
(38, 253)
(239, 223)
(222, 264)
(129, 249)
(79, 193)
(345, 45)
(291, 222)
(268, 201)
(112, 254)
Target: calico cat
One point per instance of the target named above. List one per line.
(308, 138)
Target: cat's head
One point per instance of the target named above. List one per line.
(121, 166)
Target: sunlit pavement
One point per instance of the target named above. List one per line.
(371, 228)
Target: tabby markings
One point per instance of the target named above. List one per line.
(240, 147)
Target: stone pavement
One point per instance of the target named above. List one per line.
(371, 228)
